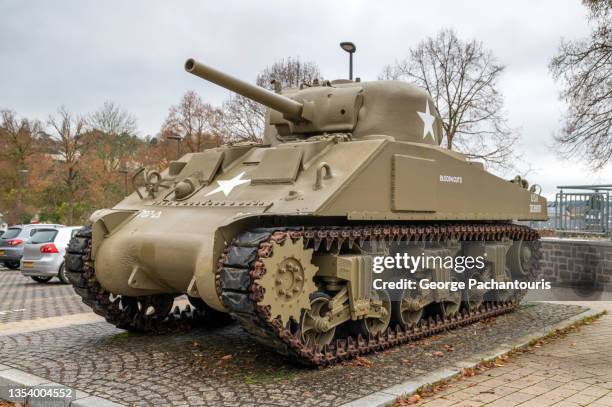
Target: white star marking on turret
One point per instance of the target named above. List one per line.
(229, 185)
(428, 121)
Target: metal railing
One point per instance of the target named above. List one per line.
(586, 209)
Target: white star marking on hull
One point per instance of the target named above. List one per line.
(428, 121)
(228, 185)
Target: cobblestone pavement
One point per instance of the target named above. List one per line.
(225, 367)
(21, 298)
(572, 371)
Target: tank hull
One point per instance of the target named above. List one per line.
(170, 246)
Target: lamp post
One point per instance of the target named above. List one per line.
(178, 143)
(125, 173)
(350, 48)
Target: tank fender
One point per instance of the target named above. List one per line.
(104, 222)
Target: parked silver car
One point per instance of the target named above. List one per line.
(43, 256)
(13, 240)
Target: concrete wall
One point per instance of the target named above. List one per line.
(575, 260)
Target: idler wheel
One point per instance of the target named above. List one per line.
(314, 326)
(519, 258)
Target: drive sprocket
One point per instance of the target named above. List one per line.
(288, 280)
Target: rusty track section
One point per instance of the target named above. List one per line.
(126, 313)
(240, 267)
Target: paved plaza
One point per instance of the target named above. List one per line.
(572, 371)
(224, 367)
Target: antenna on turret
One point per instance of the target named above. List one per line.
(350, 48)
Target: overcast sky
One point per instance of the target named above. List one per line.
(80, 54)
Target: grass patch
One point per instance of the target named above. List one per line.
(281, 373)
(123, 336)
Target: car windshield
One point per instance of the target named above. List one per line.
(11, 233)
(44, 236)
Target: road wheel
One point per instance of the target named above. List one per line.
(13, 265)
(41, 280)
(61, 274)
(315, 322)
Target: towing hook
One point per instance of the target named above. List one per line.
(322, 167)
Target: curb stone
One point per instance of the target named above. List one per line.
(10, 377)
(387, 396)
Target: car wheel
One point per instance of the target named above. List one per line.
(61, 274)
(41, 280)
(13, 265)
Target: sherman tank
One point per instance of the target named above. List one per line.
(282, 236)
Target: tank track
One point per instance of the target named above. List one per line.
(240, 267)
(81, 273)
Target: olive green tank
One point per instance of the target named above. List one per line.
(283, 236)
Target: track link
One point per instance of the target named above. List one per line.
(241, 266)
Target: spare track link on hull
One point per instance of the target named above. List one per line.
(241, 266)
(127, 313)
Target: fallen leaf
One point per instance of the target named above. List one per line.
(468, 372)
(361, 361)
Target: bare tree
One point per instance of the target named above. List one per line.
(244, 119)
(289, 73)
(113, 131)
(462, 80)
(584, 68)
(69, 146)
(198, 123)
(112, 119)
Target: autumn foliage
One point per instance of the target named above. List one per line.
(64, 169)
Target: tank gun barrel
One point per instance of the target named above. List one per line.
(291, 109)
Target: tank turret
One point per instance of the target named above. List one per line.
(393, 109)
